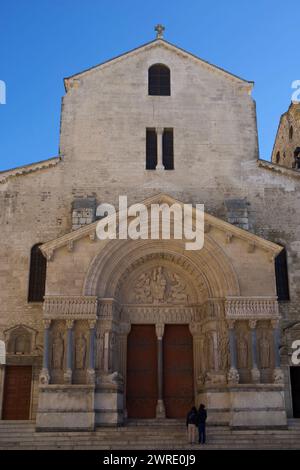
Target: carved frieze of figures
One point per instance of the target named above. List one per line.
(58, 348)
(160, 286)
(80, 351)
(242, 350)
(264, 351)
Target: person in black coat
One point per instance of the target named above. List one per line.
(201, 421)
(191, 424)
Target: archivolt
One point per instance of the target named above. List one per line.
(209, 266)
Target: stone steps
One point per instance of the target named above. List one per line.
(165, 435)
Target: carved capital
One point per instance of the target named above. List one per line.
(69, 324)
(231, 323)
(92, 324)
(159, 329)
(252, 324)
(275, 323)
(47, 323)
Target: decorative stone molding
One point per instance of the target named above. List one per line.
(108, 309)
(21, 339)
(31, 168)
(68, 307)
(157, 314)
(251, 307)
(160, 43)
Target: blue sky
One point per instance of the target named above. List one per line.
(43, 41)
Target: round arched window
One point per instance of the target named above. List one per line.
(159, 80)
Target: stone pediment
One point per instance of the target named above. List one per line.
(230, 231)
(72, 81)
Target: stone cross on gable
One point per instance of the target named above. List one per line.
(159, 28)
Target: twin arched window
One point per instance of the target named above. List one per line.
(159, 82)
(37, 275)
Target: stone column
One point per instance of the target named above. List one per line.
(255, 373)
(44, 377)
(159, 134)
(69, 364)
(233, 375)
(91, 364)
(278, 376)
(198, 354)
(106, 352)
(124, 330)
(160, 407)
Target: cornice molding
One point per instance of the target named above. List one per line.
(30, 168)
(209, 220)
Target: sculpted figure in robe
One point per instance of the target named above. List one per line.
(264, 347)
(58, 351)
(210, 353)
(158, 284)
(142, 289)
(177, 290)
(80, 352)
(242, 352)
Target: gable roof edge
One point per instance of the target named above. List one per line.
(68, 80)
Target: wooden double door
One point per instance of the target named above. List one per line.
(143, 373)
(295, 386)
(17, 392)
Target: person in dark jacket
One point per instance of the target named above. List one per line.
(191, 424)
(201, 421)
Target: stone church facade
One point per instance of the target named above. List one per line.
(142, 329)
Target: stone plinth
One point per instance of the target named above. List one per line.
(109, 403)
(258, 406)
(245, 406)
(66, 407)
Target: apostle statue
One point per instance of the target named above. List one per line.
(58, 351)
(80, 352)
